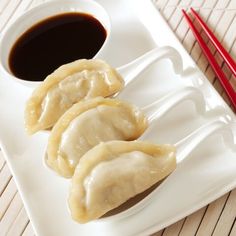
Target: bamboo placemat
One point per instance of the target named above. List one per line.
(219, 217)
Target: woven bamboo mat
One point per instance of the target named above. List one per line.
(218, 218)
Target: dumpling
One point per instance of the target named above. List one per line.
(113, 172)
(88, 123)
(67, 85)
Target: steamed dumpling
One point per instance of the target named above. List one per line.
(67, 85)
(113, 172)
(88, 123)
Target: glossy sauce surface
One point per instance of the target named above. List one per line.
(53, 42)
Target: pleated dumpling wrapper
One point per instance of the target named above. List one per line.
(70, 83)
(113, 172)
(88, 123)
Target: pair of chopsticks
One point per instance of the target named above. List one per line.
(224, 54)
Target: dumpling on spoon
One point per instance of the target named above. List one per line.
(70, 83)
(87, 124)
(113, 172)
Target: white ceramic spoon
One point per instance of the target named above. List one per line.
(131, 70)
(184, 147)
(157, 109)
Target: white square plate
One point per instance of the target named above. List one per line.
(207, 173)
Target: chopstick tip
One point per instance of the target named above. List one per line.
(183, 11)
(193, 11)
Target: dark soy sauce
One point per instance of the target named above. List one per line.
(53, 42)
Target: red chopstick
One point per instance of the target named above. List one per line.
(227, 58)
(220, 74)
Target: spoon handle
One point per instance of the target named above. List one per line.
(190, 142)
(134, 68)
(159, 108)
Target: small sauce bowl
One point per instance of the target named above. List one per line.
(40, 13)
